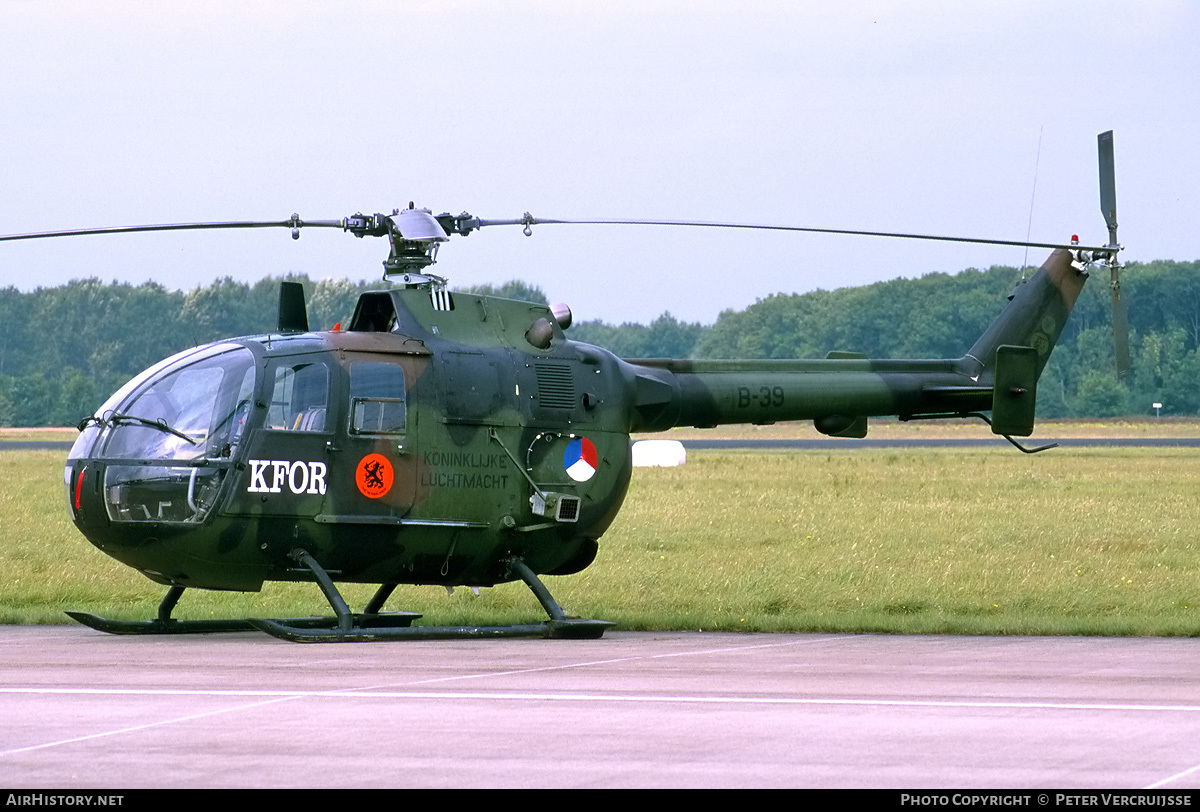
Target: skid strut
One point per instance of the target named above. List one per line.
(348, 627)
(374, 625)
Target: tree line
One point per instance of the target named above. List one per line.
(63, 350)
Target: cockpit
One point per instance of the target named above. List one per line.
(164, 442)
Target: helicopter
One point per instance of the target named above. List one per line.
(455, 439)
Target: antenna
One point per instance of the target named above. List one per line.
(1032, 196)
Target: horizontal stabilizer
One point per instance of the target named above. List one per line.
(957, 391)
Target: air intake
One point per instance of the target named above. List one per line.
(556, 386)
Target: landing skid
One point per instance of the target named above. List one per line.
(163, 624)
(172, 626)
(572, 629)
(371, 625)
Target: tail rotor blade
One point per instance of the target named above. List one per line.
(1108, 184)
(1108, 207)
(1120, 334)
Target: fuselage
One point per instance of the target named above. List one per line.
(410, 453)
(443, 434)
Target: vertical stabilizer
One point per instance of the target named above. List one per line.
(1035, 316)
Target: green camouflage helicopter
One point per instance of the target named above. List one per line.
(463, 440)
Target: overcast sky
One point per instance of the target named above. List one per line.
(900, 116)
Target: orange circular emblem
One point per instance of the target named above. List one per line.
(374, 476)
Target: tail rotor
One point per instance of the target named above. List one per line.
(1108, 207)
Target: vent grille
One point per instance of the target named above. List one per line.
(556, 386)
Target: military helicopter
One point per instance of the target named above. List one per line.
(456, 439)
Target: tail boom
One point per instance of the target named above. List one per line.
(838, 393)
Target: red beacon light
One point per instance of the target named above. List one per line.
(1074, 239)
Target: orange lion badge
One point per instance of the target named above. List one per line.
(374, 476)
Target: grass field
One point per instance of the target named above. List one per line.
(1072, 541)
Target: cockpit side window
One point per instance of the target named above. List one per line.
(299, 397)
(190, 410)
(376, 398)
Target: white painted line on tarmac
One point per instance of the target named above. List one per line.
(1171, 778)
(132, 729)
(279, 695)
(590, 663)
(728, 649)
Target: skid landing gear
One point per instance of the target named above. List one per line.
(163, 624)
(349, 627)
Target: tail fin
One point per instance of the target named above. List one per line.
(1035, 316)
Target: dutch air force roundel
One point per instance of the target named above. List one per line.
(374, 476)
(580, 459)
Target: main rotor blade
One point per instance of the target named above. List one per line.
(295, 222)
(537, 221)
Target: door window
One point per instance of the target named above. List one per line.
(300, 397)
(376, 398)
